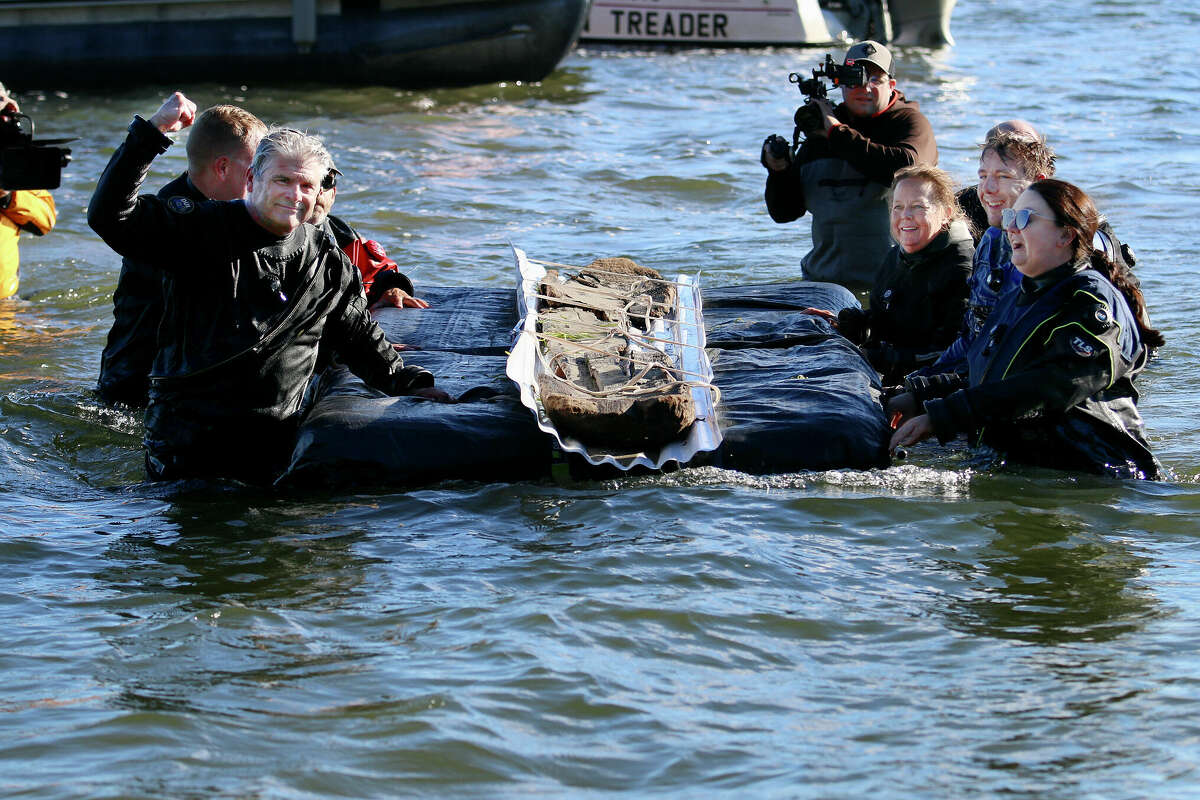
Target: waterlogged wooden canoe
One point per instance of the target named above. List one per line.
(606, 383)
(610, 358)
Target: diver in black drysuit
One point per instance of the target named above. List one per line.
(137, 309)
(1051, 379)
(915, 307)
(243, 318)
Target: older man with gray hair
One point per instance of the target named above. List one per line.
(220, 147)
(255, 291)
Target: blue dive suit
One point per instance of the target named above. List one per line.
(992, 274)
(1051, 379)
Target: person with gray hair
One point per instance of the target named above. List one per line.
(290, 144)
(220, 146)
(255, 292)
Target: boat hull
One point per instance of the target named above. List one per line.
(742, 23)
(706, 22)
(922, 22)
(419, 46)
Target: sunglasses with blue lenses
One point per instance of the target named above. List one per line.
(1020, 218)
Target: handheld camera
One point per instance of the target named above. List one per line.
(808, 116)
(24, 163)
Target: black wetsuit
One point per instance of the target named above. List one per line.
(1051, 379)
(244, 313)
(916, 305)
(137, 310)
(973, 210)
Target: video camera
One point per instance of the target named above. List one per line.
(808, 117)
(24, 163)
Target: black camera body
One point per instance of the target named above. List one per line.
(24, 163)
(808, 117)
(777, 147)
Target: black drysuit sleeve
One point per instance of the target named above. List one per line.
(359, 341)
(145, 228)
(1077, 357)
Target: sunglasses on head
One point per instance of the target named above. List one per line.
(331, 179)
(1020, 218)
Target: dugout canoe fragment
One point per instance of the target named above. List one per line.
(610, 357)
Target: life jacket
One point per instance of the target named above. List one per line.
(368, 255)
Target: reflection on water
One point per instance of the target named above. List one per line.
(1051, 578)
(219, 546)
(225, 594)
(24, 332)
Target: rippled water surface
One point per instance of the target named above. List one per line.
(937, 629)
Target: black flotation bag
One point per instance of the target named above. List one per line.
(794, 395)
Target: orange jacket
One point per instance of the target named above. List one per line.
(27, 210)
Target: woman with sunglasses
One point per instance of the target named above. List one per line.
(919, 297)
(1050, 374)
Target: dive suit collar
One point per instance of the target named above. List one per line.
(1033, 288)
(936, 245)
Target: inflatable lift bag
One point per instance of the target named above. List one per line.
(355, 435)
(795, 395)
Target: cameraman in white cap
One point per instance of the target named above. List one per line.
(842, 171)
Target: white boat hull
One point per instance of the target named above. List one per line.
(714, 22)
(768, 22)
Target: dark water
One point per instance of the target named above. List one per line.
(937, 629)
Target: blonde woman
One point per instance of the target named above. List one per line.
(919, 298)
